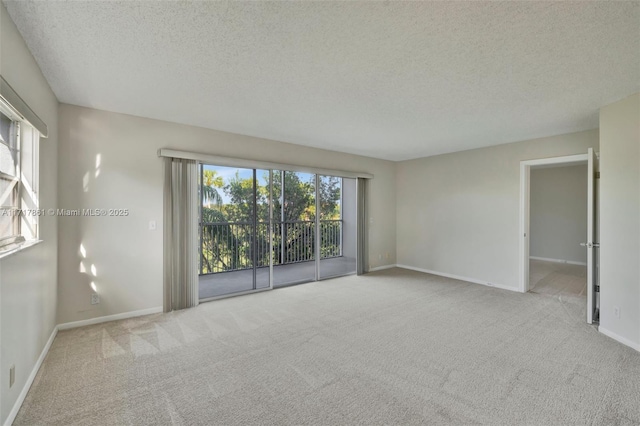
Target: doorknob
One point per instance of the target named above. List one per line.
(583, 244)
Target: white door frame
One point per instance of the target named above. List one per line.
(525, 184)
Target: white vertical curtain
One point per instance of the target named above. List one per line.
(180, 234)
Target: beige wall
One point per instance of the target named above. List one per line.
(28, 296)
(459, 213)
(127, 256)
(558, 221)
(620, 218)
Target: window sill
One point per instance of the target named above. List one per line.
(23, 246)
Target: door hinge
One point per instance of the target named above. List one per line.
(597, 175)
(596, 288)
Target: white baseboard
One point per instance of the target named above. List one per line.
(569, 262)
(23, 394)
(382, 268)
(115, 317)
(458, 277)
(619, 338)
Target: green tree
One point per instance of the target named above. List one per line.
(241, 204)
(231, 245)
(329, 190)
(240, 209)
(219, 243)
(211, 182)
(299, 198)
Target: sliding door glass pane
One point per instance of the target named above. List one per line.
(263, 229)
(226, 230)
(337, 226)
(294, 214)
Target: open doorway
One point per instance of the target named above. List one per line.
(553, 260)
(558, 225)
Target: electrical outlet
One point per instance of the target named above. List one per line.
(12, 375)
(616, 311)
(95, 298)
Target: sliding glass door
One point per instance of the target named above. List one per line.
(338, 230)
(261, 229)
(294, 218)
(262, 233)
(227, 231)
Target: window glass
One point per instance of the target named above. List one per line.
(8, 152)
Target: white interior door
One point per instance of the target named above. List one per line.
(592, 244)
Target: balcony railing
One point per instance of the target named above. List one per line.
(233, 246)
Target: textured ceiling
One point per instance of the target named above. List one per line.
(384, 79)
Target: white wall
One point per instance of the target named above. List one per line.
(558, 221)
(459, 213)
(28, 297)
(620, 218)
(127, 256)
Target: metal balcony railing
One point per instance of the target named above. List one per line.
(234, 246)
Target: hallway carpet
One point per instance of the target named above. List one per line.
(392, 347)
(557, 279)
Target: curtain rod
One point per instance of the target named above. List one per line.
(252, 164)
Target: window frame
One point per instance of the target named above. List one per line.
(13, 145)
(25, 227)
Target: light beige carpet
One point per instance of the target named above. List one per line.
(557, 279)
(393, 347)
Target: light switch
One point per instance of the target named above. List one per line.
(152, 225)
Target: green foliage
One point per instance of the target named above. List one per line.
(299, 198)
(329, 197)
(240, 193)
(211, 178)
(210, 215)
(211, 182)
(229, 244)
(220, 243)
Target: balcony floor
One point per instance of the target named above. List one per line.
(224, 283)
